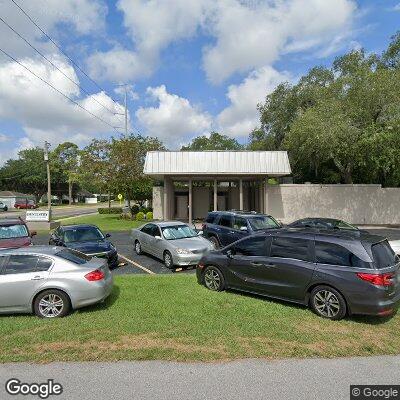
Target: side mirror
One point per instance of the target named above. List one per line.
(199, 233)
(108, 235)
(243, 228)
(33, 233)
(230, 253)
(157, 237)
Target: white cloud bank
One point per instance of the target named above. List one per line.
(244, 35)
(173, 118)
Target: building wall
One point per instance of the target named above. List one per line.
(357, 204)
(158, 195)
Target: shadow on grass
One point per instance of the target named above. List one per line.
(361, 319)
(108, 302)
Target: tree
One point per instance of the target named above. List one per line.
(127, 157)
(215, 141)
(96, 171)
(66, 159)
(27, 173)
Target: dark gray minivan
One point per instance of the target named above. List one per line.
(335, 273)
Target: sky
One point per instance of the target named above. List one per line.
(190, 66)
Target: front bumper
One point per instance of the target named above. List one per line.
(186, 259)
(110, 256)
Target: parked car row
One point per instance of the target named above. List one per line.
(329, 265)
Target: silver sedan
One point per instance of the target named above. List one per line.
(174, 242)
(51, 281)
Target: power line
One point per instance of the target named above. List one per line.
(55, 66)
(61, 50)
(58, 91)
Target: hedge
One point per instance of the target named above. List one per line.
(149, 215)
(112, 210)
(139, 216)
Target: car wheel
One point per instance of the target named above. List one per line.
(5, 208)
(168, 261)
(213, 279)
(52, 304)
(138, 248)
(214, 240)
(327, 302)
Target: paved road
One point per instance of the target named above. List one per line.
(307, 379)
(59, 212)
(125, 248)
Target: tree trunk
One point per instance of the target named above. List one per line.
(109, 199)
(70, 191)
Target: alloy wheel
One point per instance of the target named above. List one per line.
(168, 260)
(138, 248)
(326, 303)
(212, 279)
(51, 306)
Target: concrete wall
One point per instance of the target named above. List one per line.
(158, 196)
(357, 204)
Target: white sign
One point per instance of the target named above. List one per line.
(36, 216)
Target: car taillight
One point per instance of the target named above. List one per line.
(95, 275)
(377, 279)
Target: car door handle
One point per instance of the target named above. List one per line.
(37, 278)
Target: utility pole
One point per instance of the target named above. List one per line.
(46, 158)
(126, 110)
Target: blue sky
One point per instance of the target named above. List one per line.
(191, 66)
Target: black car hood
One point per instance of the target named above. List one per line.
(92, 247)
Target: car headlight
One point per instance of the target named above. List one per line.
(183, 251)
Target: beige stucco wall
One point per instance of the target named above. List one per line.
(357, 204)
(158, 196)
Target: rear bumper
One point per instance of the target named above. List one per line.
(96, 292)
(378, 307)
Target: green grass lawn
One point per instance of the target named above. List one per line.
(106, 222)
(173, 318)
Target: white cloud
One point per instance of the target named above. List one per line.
(242, 116)
(252, 36)
(46, 115)
(173, 118)
(4, 138)
(83, 16)
(396, 7)
(248, 34)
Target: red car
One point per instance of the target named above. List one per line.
(25, 205)
(14, 233)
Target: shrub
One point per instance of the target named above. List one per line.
(135, 209)
(149, 215)
(113, 210)
(139, 216)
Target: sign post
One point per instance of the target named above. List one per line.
(120, 197)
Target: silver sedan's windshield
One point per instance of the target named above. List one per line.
(178, 232)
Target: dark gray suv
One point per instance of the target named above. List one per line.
(335, 273)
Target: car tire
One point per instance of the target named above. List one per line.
(328, 303)
(60, 304)
(138, 248)
(168, 260)
(214, 240)
(213, 279)
(5, 208)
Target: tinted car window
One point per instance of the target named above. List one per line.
(155, 231)
(262, 222)
(334, 254)
(211, 218)
(290, 248)
(383, 254)
(44, 264)
(239, 222)
(254, 246)
(225, 220)
(148, 229)
(74, 256)
(19, 264)
(82, 234)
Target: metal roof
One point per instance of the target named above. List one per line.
(206, 163)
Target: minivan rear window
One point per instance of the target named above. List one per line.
(74, 256)
(383, 254)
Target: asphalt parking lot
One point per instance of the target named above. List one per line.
(131, 263)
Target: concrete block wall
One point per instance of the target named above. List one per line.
(357, 204)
